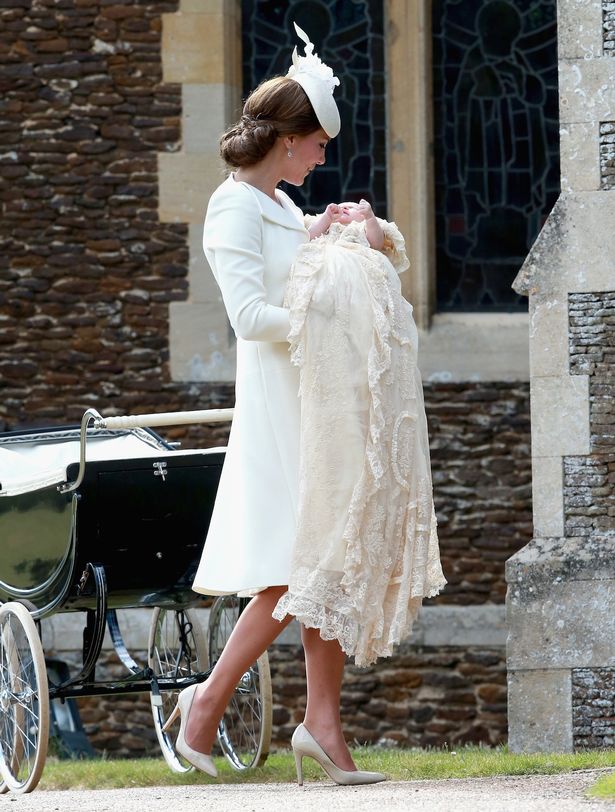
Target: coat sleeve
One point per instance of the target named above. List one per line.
(232, 241)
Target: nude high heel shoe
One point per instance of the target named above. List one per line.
(199, 760)
(304, 744)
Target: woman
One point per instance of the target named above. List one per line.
(251, 236)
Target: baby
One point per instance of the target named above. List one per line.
(345, 213)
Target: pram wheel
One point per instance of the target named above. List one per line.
(244, 734)
(24, 700)
(176, 649)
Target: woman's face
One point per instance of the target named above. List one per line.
(308, 151)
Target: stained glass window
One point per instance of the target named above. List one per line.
(348, 36)
(496, 144)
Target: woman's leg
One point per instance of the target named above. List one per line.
(324, 665)
(254, 632)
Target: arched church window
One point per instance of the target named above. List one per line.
(348, 36)
(496, 144)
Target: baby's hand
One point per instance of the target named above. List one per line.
(334, 212)
(365, 209)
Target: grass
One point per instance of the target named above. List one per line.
(400, 765)
(604, 788)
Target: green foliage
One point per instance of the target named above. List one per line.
(400, 765)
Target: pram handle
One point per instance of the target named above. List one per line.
(138, 421)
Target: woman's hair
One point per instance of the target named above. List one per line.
(277, 107)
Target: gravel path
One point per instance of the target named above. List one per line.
(536, 793)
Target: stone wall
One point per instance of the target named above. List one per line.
(608, 27)
(593, 707)
(607, 154)
(87, 270)
(421, 697)
(480, 453)
(589, 495)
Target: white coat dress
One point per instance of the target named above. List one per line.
(251, 243)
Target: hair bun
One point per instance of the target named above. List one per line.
(248, 141)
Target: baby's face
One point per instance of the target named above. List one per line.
(350, 214)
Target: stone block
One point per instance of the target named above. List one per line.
(231, 7)
(547, 561)
(547, 496)
(186, 182)
(579, 29)
(579, 157)
(540, 711)
(548, 316)
(560, 416)
(587, 90)
(441, 626)
(202, 347)
(563, 258)
(475, 347)
(460, 626)
(64, 631)
(201, 48)
(207, 110)
(559, 623)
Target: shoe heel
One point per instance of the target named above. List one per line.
(176, 712)
(299, 766)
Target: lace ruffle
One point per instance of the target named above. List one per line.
(395, 246)
(366, 551)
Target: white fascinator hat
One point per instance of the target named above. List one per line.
(318, 81)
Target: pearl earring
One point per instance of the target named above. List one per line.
(290, 155)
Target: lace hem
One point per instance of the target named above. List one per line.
(335, 626)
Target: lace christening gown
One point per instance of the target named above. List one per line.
(366, 550)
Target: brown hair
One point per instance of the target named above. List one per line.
(277, 107)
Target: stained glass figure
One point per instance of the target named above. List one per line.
(496, 144)
(348, 36)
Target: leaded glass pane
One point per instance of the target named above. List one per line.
(496, 144)
(348, 36)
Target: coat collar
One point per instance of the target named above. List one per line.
(286, 213)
